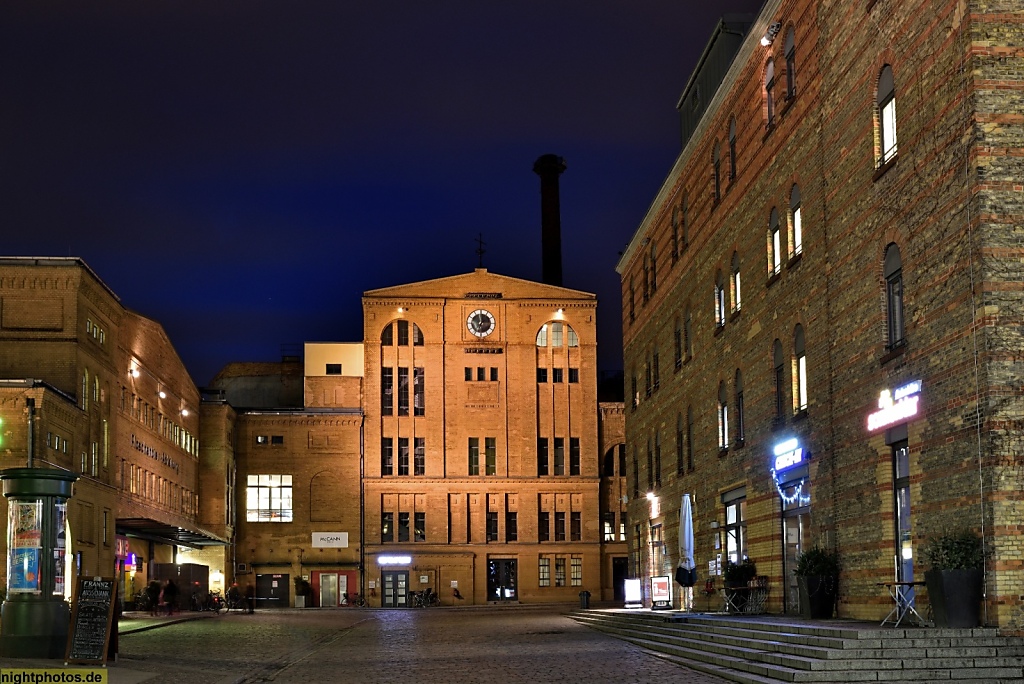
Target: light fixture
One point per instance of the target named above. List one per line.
(400, 310)
(769, 35)
(163, 395)
(134, 372)
(184, 412)
(650, 496)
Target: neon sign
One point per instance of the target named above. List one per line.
(896, 406)
(394, 560)
(788, 454)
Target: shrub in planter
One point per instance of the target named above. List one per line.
(817, 572)
(303, 593)
(955, 579)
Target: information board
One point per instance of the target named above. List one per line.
(91, 616)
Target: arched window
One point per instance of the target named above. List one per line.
(790, 51)
(387, 335)
(734, 283)
(732, 149)
(893, 272)
(609, 463)
(796, 223)
(719, 300)
(799, 370)
(769, 99)
(780, 380)
(723, 417)
(654, 267)
(774, 244)
(740, 427)
(886, 121)
(556, 334)
(716, 165)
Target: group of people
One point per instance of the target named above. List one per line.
(163, 600)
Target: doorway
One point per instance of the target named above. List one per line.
(620, 570)
(272, 591)
(328, 589)
(501, 579)
(395, 588)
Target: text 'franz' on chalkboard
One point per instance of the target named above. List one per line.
(90, 620)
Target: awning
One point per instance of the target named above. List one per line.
(154, 530)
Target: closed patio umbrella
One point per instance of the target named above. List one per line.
(686, 573)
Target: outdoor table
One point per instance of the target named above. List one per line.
(903, 598)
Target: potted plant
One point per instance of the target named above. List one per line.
(738, 576)
(303, 591)
(817, 574)
(955, 579)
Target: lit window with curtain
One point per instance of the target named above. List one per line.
(886, 121)
(723, 417)
(736, 298)
(719, 300)
(799, 371)
(796, 223)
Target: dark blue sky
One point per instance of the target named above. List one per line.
(242, 171)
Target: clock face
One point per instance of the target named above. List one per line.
(480, 323)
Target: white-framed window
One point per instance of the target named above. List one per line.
(893, 272)
(723, 417)
(719, 300)
(543, 572)
(557, 334)
(886, 123)
(736, 298)
(799, 371)
(796, 223)
(774, 244)
(769, 98)
(576, 571)
(268, 498)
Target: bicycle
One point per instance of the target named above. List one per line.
(355, 600)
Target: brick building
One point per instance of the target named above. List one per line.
(822, 306)
(113, 404)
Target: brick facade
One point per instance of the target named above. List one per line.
(948, 196)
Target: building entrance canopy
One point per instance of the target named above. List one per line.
(154, 530)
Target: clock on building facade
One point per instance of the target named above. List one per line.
(480, 323)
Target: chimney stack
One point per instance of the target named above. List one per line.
(549, 167)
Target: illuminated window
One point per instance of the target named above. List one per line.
(719, 300)
(544, 572)
(723, 417)
(774, 244)
(796, 223)
(576, 571)
(886, 116)
(387, 527)
(735, 503)
(268, 498)
(799, 371)
(734, 284)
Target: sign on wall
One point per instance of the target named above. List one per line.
(330, 540)
(895, 406)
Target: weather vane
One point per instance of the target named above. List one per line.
(480, 251)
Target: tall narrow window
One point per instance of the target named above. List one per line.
(387, 336)
(796, 223)
(688, 334)
(732, 149)
(790, 52)
(736, 298)
(622, 460)
(387, 466)
(420, 465)
(575, 526)
(780, 380)
(419, 527)
(647, 377)
(654, 267)
(559, 526)
(723, 417)
(403, 391)
(387, 527)
(511, 526)
(543, 526)
(647, 279)
(735, 524)
(559, 571)
(716, 171)
(893, 271)
(655, 370)
(675, 235)
(650, 466)
(574, 455)
(740, 427)
(403, 527)
(417, 391)
(559, 456)
(387, 391)
(474, 455)
(769, 97)
(542, 456)
(901, 504)
(544, 572)
(417, 336)
(680, 447)
(403, 333)
(490, 456)
(886, 122)
(632, 299)
(403, 455)
(657, 459)
(492, 526)
(636, 477)
(774, 244)
(719, 300)
(799, 370)
(686, 221)
(690, 465)
(677, 345)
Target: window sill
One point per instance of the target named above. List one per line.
(794, 259)
(800, 415)
(773, 276)
(884, 167)
(734, 315)
(895, 352)
(719, 327)
(738, 444)
(723, 451)
(689, 357)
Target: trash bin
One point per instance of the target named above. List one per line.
(584, 599)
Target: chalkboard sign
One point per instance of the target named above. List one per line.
(90, 620)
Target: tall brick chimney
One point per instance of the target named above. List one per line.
(549, 167)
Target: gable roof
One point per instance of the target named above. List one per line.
(480, 282)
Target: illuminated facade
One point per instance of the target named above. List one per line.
(821, 317)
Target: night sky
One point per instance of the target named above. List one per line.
(242, 171)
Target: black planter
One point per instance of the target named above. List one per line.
(955, 597)
(818, 595)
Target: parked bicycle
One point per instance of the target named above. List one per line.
(427, 598)
(141, 602)
(354, 599)
(212, 601)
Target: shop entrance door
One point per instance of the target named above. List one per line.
(501, 579)
(794, 528)
(328, 589)
(395, 590)
(272, 591)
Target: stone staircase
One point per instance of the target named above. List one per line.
(763, 649)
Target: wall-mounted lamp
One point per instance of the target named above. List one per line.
(400, 310)
(162, 394)
(184, 412)
(769, 35)
(650, 496)
(134, 372)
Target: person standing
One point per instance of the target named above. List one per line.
(153, 594)
(171, 596)
(250, 597)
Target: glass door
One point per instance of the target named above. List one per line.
(396, 589)
(501, 579)
(328, 589)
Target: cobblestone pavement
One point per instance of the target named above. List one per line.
(504, 644)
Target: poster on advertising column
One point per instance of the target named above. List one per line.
(26, 524)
